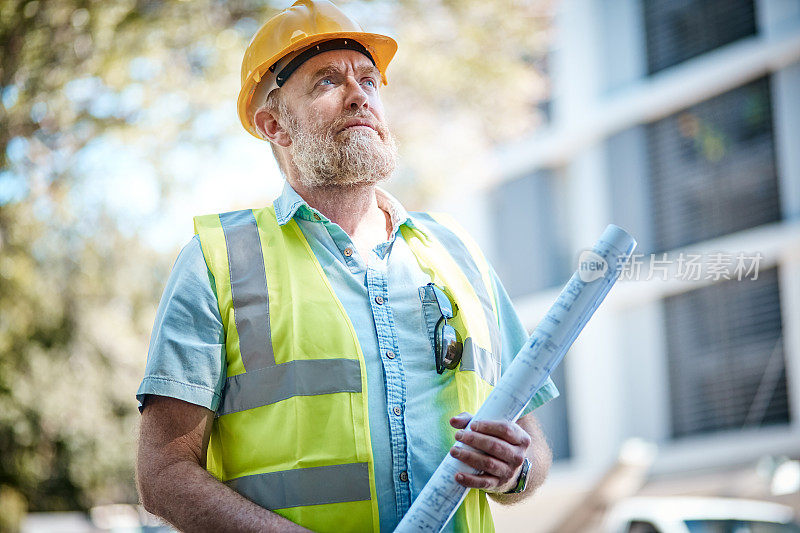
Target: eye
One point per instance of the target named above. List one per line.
(325, 81)
(370, 82)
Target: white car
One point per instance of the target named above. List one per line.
(698, 515)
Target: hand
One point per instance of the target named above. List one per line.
(504, 445)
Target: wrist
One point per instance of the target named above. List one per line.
(522, 480)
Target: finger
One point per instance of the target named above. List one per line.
(484, 463)
(460, 421)
(478, 481)
(507, 431)
(493, 447)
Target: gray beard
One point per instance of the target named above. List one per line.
(352, 157)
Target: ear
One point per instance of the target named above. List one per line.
(267, 125)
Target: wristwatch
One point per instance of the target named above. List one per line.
(522, 482)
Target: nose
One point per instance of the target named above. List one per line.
(355, 97)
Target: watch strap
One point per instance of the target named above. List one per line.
(522, 481)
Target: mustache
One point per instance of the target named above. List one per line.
(379, 126)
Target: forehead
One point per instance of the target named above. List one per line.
(346, 61)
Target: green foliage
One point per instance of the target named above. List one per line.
(78, 285)
(468, 75)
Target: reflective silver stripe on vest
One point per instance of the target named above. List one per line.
(464, 259)
(306, 486)
(300, 377)
(479, 360)
(248, 288)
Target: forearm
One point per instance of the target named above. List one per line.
(173, 482)
(190, 499)
(540, 456)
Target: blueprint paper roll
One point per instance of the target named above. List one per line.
(598, 269)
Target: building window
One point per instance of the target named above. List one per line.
(726, 360)
(712, 168)
(678, 30)
(529, 216)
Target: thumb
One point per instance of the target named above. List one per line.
(461, 420)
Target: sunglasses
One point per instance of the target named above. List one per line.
(448, 347)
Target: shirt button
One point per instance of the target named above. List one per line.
(348, 252)
(379, 300)
(403, 476)
(390, 354)
(317, 217)
(397, 410)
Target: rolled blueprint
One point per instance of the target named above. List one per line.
(598, 269)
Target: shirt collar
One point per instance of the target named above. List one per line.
(287, 204)
(290, 205)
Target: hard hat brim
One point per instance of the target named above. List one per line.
(381, 47)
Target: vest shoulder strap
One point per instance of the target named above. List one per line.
(462, 246)
(471, 261)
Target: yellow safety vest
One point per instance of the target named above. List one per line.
(292, 429)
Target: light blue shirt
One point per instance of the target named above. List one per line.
(408, 417)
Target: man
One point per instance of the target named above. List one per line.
(307, 356)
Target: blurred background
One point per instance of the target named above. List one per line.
(536, 123)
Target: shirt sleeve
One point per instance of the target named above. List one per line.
(513, 337)
(186, 359)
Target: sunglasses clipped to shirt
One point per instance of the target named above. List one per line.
(448, 347)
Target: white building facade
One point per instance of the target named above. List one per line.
(678, 120)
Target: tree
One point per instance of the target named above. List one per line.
(77, 285)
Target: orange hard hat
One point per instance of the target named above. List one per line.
(289, 34)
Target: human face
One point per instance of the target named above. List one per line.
(332, 112)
